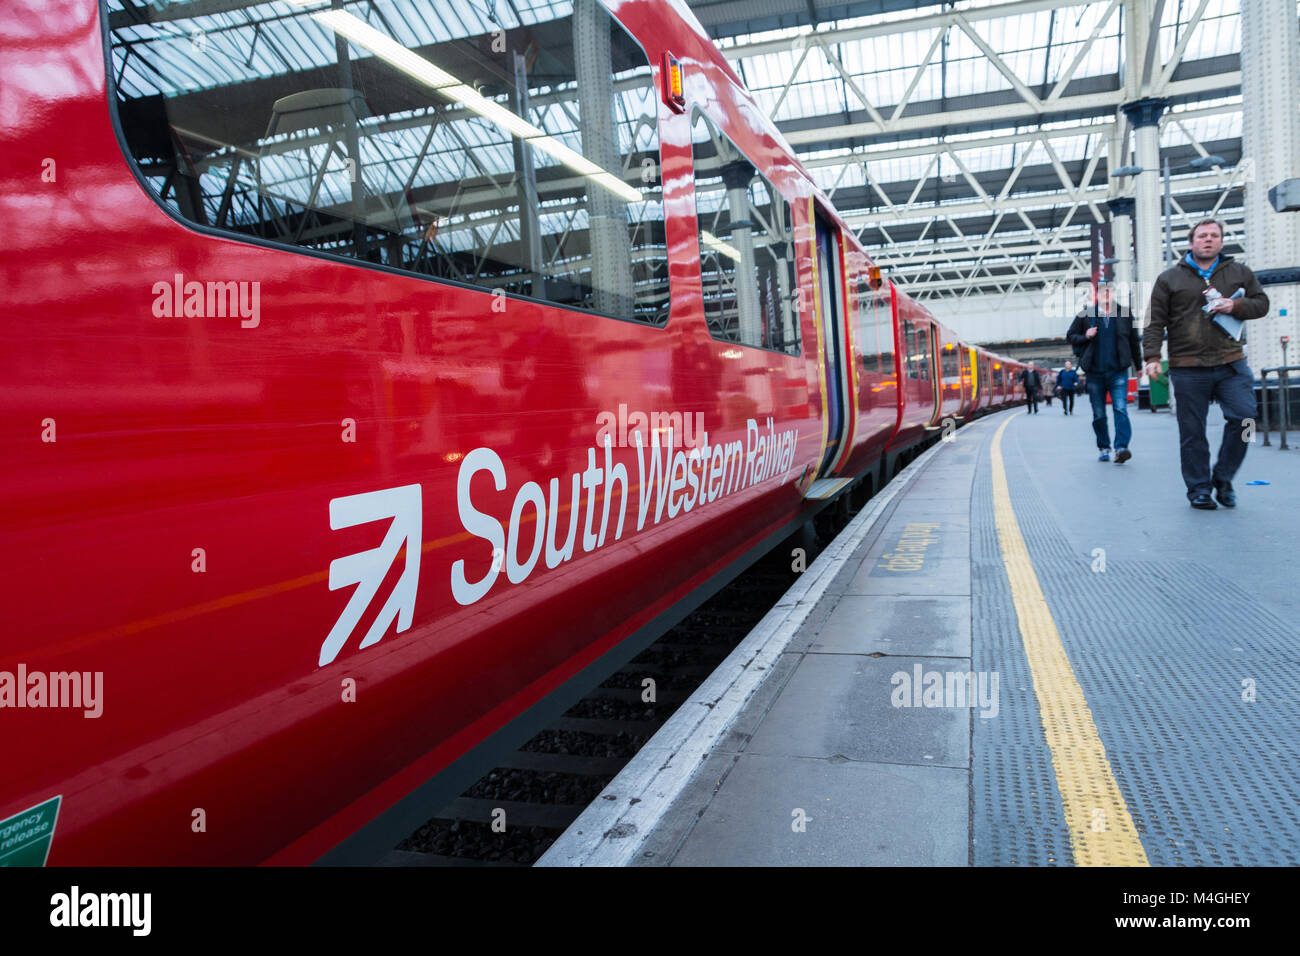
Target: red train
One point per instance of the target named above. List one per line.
(373, 376)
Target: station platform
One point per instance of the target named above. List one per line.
(1131, 669)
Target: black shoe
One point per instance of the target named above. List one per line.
(1223, 491)
(1122, 455)
(1204, 502)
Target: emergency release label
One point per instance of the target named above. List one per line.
(25, 837)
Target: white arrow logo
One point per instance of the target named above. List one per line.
(367, 569)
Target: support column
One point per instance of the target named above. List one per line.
(1270, 88)
(611, 246)
(1121, 235)
(530, 231)
(353, 140)
(781, 241)
(1144, 115)
(737, 176)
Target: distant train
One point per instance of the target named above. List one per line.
(374, 373)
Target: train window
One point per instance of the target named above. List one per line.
(864, 309)
(875, 326)
(885, 336)
(746, 230)
(948, 363)
(912, 347)
(513, 147)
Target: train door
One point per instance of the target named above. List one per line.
(834, 348)
(970, 380)
(932, 354)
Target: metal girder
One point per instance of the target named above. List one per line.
(916, 76)
(894, 26)
(857, 157)
(961, 283)
(1087, 45)
(1153, 42)
(991, 55)
(1085, 127)
(1009, 113)
(948, 253)
(1018, 232)
(967, 208)
(851, 83)
(1177, 58)
(900, 260)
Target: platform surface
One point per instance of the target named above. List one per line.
(1134, 667)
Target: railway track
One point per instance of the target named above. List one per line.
(511, 815)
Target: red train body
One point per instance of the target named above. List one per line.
(327, 548)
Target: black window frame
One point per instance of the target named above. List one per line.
(796, 295)
(114, 101)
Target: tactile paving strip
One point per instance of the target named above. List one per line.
(1016, 813)
(1209, 777)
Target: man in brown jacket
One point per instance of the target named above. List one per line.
(1206, 361)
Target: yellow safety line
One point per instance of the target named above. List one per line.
(1101, 830)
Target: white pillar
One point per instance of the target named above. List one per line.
(611, 247)
(737, 176)
(1148, 224)
(1270, 140)
(1121, 236)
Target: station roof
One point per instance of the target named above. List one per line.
(970, 143)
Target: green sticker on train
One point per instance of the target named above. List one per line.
(25, 837)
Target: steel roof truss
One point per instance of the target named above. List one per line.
(1177, 58)
(1025, 92)
(1084, 49)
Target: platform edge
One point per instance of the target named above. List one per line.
(613, 829)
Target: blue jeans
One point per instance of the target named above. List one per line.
(1117, 384)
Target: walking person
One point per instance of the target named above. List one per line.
(1110, 344)
(1067, 382)
(1033, 383)
(1049, 389)
(1199, 305)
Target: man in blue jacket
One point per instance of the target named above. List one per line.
(1067, 381)
(1110, 344)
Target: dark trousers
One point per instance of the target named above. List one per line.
(1031, 396)
(1233, 387)
(1067, 401)
(1099, 383)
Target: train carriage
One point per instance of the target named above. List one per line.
(383, 378)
